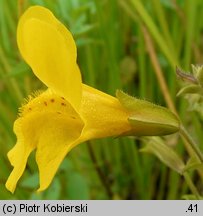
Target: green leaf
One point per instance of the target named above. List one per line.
(19, 69)
(84, 29)
(193, 163)
(148, 119)
(167, 155)
(190, 89)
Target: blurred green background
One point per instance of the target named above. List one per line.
(122, 44)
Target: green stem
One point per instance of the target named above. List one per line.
(191, 185)
(191, 142)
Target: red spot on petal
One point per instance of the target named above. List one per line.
(45, 103)
(63, 104)
(52, 100)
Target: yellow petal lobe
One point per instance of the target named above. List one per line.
(19, 154)
(49, 124)
(49, 49)
(54, 143)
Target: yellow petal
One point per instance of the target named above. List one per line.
(103, 115)
(19, 154)
(49, 124)
(55, 142)
(49, 48)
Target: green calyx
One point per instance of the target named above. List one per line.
(148, 119)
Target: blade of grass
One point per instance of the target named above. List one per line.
(138, 6)
(190, 30)
(163, 24)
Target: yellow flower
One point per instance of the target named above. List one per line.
(69, 112)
